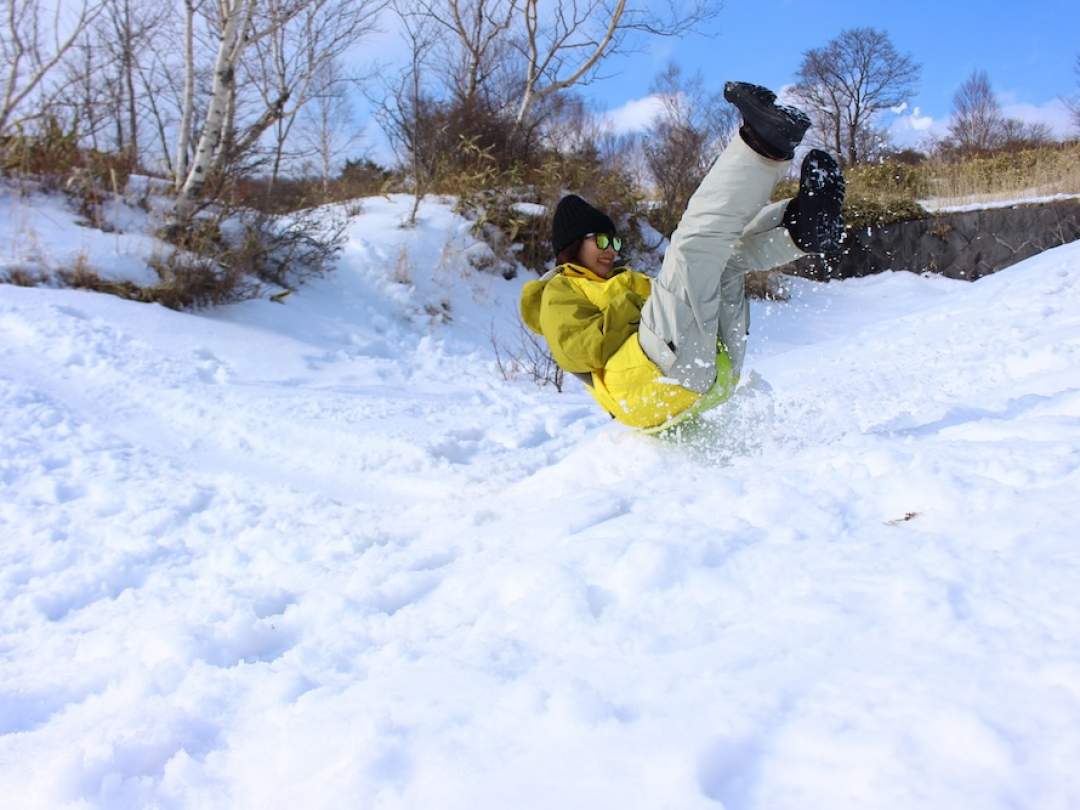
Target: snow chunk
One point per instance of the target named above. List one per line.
(529, 209)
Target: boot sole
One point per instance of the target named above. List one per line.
(780, 126)
(821, 175)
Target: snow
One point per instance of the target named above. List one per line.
(43, 233)
(320, 554)
(529, 209)
(948, 205)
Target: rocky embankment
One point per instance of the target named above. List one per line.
(966, 245)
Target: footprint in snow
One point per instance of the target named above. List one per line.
(243, 640)
(727, 770)
(431, 562)
(57, 604)
(272, 604)
(210, 369)
(598, 600)
(71, 312)
(403, 591)
(459, 446)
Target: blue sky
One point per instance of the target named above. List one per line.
(1028, 50)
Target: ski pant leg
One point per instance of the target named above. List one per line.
(681, 319)
(764, 244)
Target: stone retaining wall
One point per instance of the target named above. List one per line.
(964, 245)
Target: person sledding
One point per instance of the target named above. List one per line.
(649, 350)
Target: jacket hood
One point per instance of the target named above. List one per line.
(532, 292)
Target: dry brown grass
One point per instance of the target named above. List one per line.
(881, 193)
(527, 356)
(23, 277)
(1030, 173)
(185, 282)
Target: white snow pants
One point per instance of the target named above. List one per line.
(699, 297)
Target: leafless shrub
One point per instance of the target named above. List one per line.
(23, 277)
(189, 281)
(212, 268)
(185, 282)
(682, 142)
(439, 313)
(979, 127)
(528, 357)
(767, 285)
(291, 249)
(81, 276)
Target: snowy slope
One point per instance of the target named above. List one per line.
(42, 233)
(306, 556)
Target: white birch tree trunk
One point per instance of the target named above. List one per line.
(183, 140)
(221, 149)
(235, 18)
(238, 32)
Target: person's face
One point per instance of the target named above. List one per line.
(601, 262)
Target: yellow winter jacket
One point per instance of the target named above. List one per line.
(591, 324)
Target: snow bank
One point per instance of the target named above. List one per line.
(43, 233)
(321, 554)
(948, 205)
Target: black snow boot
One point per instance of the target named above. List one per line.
(770, 129)
(815, 218)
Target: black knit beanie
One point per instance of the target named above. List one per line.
(573, 219)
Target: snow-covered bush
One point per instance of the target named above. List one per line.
(223, 257)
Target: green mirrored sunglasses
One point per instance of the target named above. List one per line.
(603, 240)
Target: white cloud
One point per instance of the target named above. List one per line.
(633, 116)
(914, 129)
(920, 123)
(1053, 113)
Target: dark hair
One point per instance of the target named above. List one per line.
(570, 253)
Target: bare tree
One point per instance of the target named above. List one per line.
(187, 97)
(683, 141)
(33, 40)
(575, 36)
(115, 85)
(84, 98)
(239, 24)
(496, 68)
(978, 125)
(124, 34)
(476, 39)
(325, 125)
(977, 120)
(1016, 134)
(158, 91)
(407, 112)
(293, 60)
(1074, 103)
(846, 84)
(474, 73)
